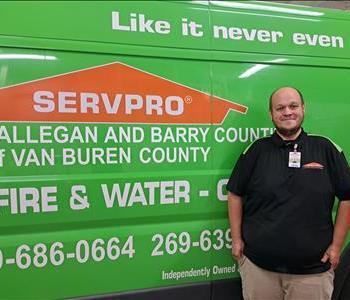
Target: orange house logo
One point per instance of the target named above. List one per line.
(113, 93)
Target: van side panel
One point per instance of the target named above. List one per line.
(120, 123)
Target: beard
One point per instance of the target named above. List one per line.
(288, 132)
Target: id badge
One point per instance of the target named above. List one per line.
(294, 159)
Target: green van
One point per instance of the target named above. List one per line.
(120, 122)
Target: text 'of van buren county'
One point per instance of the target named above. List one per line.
(142, 23)
(82, 138)
(96, 145)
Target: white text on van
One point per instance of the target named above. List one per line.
(86, 102)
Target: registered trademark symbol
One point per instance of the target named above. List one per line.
(188, 99)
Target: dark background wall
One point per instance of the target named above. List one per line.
(345, 5)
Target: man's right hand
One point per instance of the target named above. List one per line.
(237, 249)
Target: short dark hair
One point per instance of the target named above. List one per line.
(276, 90)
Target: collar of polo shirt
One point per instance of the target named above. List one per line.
(278, 141)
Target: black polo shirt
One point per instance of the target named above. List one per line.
(287, 212)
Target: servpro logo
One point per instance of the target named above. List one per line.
(96, 103)
(113, 93)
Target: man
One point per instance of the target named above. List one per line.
(281, 194)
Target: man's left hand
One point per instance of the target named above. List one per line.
(332, 255)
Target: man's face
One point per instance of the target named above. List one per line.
(287, 111)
